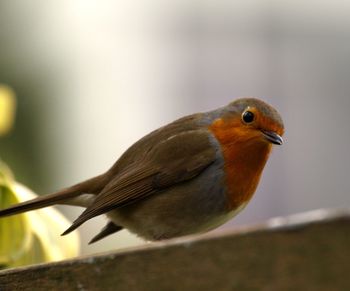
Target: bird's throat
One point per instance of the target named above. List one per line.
(245, 156)
(244, 167)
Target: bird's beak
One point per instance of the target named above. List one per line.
(272, 137)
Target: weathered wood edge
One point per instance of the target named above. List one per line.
(282, 223)
(279, 224)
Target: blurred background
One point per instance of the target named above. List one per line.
(92, 77)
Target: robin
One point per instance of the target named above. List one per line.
(187, 177)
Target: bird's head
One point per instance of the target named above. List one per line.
(250, 120)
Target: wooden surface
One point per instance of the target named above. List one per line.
(309, 251)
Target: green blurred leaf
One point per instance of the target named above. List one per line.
(7, 109)
(14, 230)
(31, 237)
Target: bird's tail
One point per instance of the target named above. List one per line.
(92, 186)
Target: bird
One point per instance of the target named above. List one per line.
(187, 177)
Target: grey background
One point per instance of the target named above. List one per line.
(92, 77)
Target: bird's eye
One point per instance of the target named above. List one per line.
(248, 116)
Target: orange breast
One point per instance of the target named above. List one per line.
(245, 156)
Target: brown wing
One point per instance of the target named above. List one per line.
(175, 160)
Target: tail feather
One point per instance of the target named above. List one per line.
(109, 229)
(92, 186)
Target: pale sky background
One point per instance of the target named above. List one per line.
(109, 72)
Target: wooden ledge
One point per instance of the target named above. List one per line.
(308, 251)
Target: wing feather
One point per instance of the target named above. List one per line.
(175, 160)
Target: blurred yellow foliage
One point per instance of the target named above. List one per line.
(7, 109)
(32, 237)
